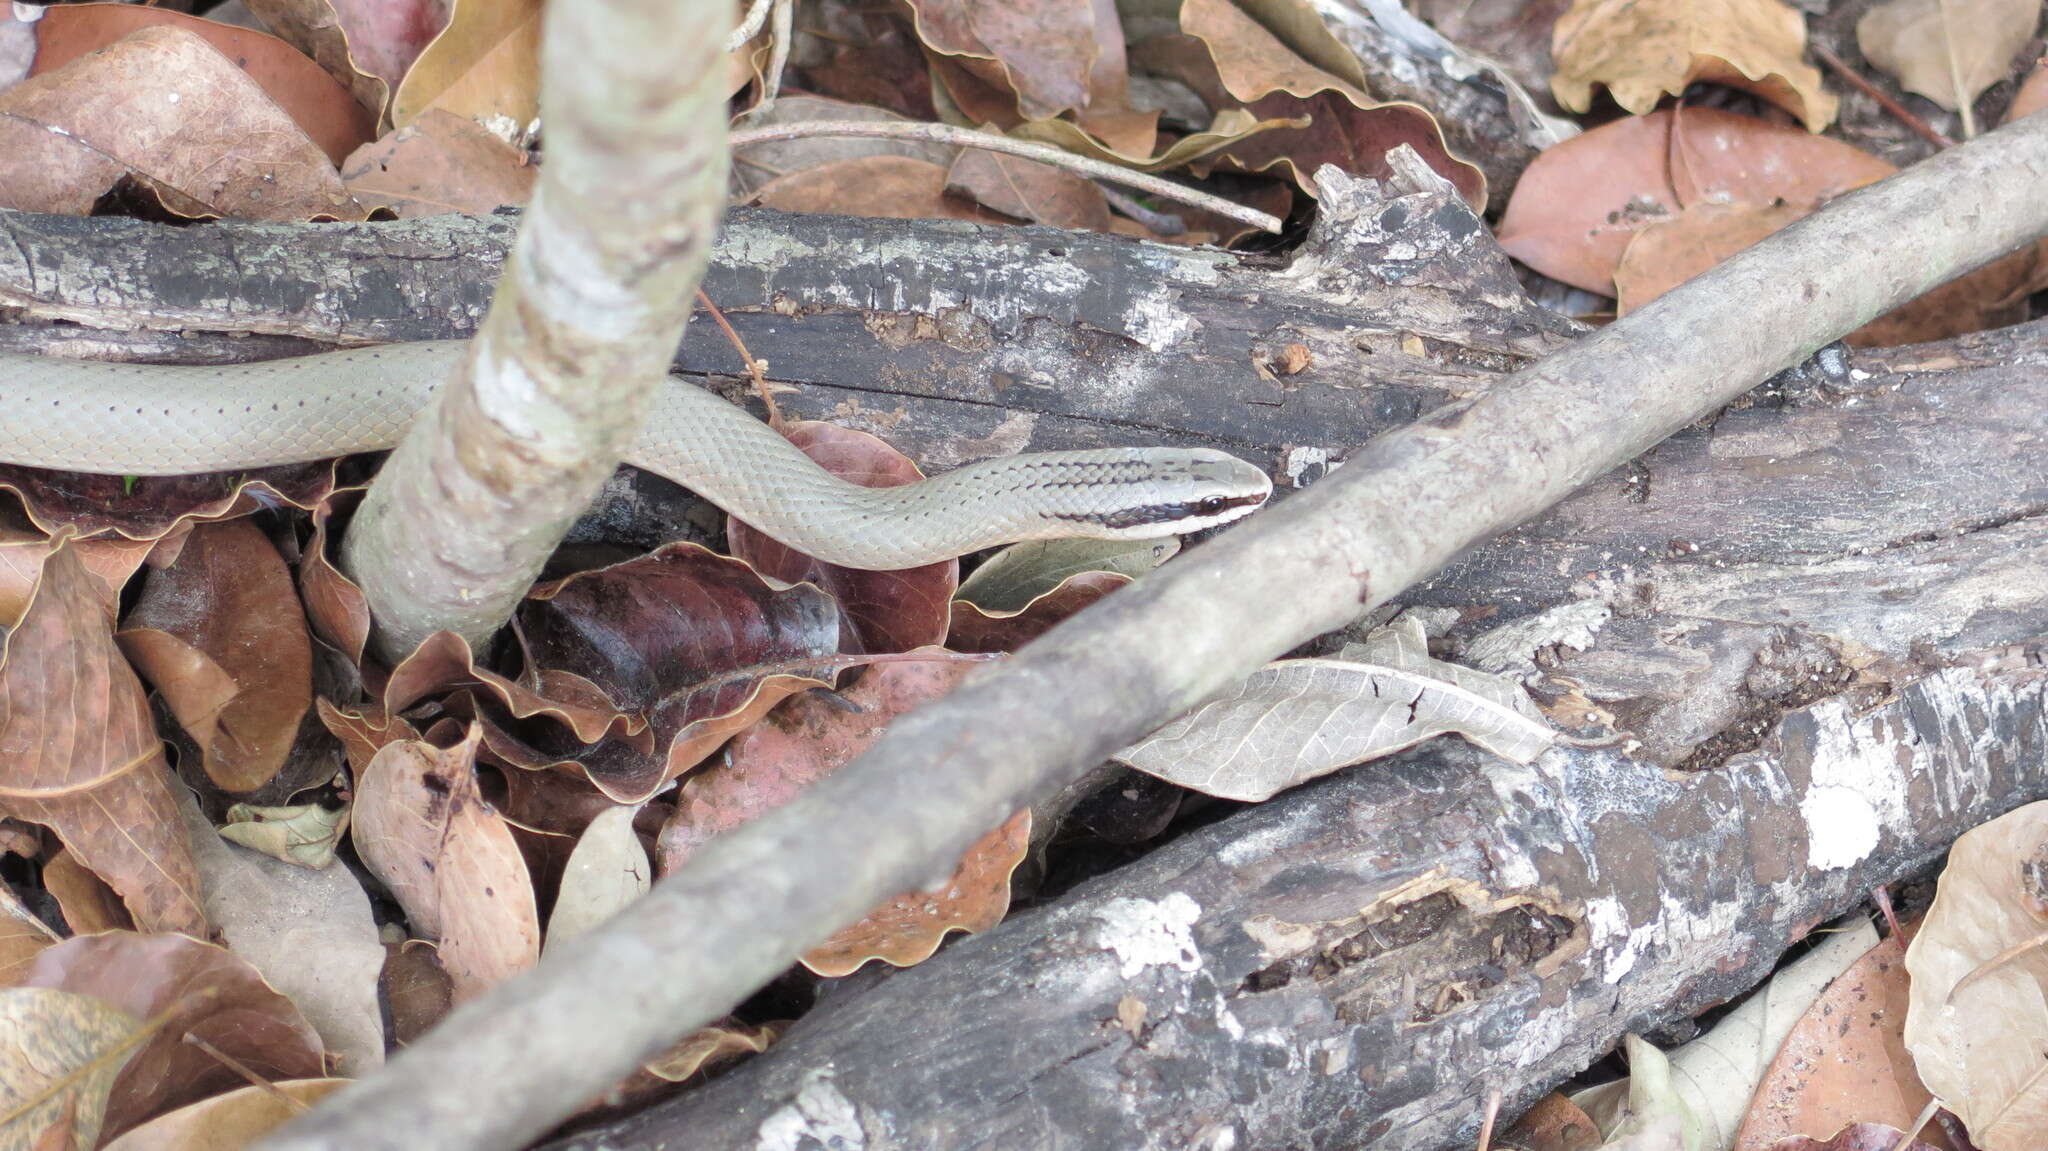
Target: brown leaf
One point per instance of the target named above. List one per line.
(884, 187)
(416, 988)
(227, 1122)
(336, 608)
(695, 644)
(979, 629)
(2033, 94)
(1947, 50)
(1643, 49)
(1579, 204)
(484, 65)
(810, 737)
(889, 610)
(1844, 1061)
(153, 507)
(1040, 58)
(59, 1055)
(111, 563)
(79, 752)
(1028, 190)
(424, 830)
(1555, 1123)
(88, 904)
(1513, 33)
(1977, 1020)
(199, 989)
(166, 108)
(220, 635)
(883, 67)
(367, 45)
(439, 163)
(1856, 1137)
(1667, 253)
(322, 108)
(22, 937)
(757, 164)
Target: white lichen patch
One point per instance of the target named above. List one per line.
(820, 1116)
(1841, 826)
(1150, 932)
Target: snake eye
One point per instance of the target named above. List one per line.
(1211, 505)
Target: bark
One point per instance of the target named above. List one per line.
(1357, 963)
(586, 314)
(748, 904)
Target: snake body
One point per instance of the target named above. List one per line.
(130, 419)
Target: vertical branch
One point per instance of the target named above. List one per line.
(587, 314)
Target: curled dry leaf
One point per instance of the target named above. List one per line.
(220, 635)
(194, 988)
(320, 107)
(1949, 51)
(22, 937)
(439, 163)
(423, 829)
(1665, 254)
(1642, 50)
(1295, 720)
(608, 870)
(304, 834)
(810, 737)
(309, 933)
(1647, 1114)
(706, 1049)
(23, 551)
(79, 751)
(366, 45)
(977, 630)
(88, 904)
(156, 507)
(484, 65)
(1035, 60)
(1011, 579)
(1579, 204)
(227, 1122)
(166, 108)
(888, 610)
(1844, 1061)
(59, 1055)
(1977, 1022)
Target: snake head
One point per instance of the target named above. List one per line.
(1175, 491)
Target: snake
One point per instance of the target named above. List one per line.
(160, 420)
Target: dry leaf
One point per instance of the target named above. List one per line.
(2032, 96)
(367, 45)
(79, 751)
(219, 633)
(195, 988)
(1035, 60)
(1947, 50)
(416, 987)
(59, 1055)
(165, 107)
(227, 1122)
(1977, 1023)
(757, 164)
(1011, 579)
(1555, 1123)
(881, 187)
(1579, 204)
(22, 937)
(1857, 1137)
(1844, 1061)
(1029, 190)
(484, 65)
(1646, 1113)
(88, 904)
(908, 929)
(1295, 720)
(304, 834)
(608, 870)
(978, 630)
(318, 105)
(159, 507)
(424, 830)
(1644, 49)
(439, 163)
(309, 933)
(890, 611)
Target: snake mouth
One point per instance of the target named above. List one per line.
(1209, 510)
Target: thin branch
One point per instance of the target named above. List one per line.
(1162, 223)
(762, 387)
(508, 1065)
(1900, 112)
(750, 26)
(1043, 153)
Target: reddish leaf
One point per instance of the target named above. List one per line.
(416, 988)
(220, 635)
(1856, 1137)
(1579, 204)
(152, 507)
(206, 992)
(367, 45)
(439, 163)
(1037, 59)
(422, 828)
(166, 108)
(810, 737)
(79, 751)
(889, 610)
(977, 629)
(335, 607)
(322, 108)
(879, 65)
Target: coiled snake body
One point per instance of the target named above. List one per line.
(127, 419)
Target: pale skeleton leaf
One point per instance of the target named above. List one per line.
(1298, 719)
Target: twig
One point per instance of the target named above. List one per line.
(1900, 112)
(1161, 223)
(1486, 1126)
(1043, 153)
(510, 1064)
(761, 385)
(242, 1069)
(781, 33)
(750, 26)
(1920, 1122)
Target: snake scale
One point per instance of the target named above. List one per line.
(129, 419)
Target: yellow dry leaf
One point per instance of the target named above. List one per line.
(1947, 50)
(484, 65)
(1643, 49)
